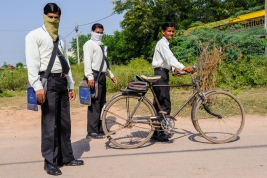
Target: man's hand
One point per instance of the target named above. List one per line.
(40, 95)
(114, 80)
(72, 94)
(91, 83)
(188, 69)
(178, 71)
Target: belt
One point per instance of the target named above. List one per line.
(160, 68)
(61, 75)
(98, 72)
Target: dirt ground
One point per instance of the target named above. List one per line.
(24, 122)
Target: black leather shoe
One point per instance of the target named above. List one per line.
(95, 135)
(52, 170)
(161, 137)
(74, 162)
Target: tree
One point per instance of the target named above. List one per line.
(82, 40)
(118, 49)
(143, 18)
(142, 21)
(5, 65)
(19, 65)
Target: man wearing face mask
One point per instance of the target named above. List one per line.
(56, 125)
(93, 56)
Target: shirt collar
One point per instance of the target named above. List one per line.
(165, 39)
(43, 28)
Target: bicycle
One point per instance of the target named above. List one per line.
(129, 119)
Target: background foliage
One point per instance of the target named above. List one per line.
(131, 49)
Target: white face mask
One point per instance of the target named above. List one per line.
(96, 37)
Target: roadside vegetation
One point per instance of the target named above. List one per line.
(230, 58)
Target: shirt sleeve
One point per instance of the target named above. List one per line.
(33, 61)
(88, 59)
(169, 57)
(69, 76)
(109, 73)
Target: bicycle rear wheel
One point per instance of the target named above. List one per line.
(221, 118)
(123, 130)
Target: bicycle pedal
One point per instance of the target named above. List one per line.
(170, 135)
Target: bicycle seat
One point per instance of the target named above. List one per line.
(150, 78)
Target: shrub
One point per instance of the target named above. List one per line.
(6, 94)
(186, 48)
(126, 73)
(13, 79)
(246, 71)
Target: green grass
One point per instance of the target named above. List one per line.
(253, 100)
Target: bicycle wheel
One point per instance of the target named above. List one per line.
(192, 115)
(123, 130)
(221, 118)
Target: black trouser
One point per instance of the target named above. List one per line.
(162, 93)
(93, 114)
(56, 125)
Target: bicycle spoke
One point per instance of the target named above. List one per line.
(219, 130)
(128, 133)
(116, 115)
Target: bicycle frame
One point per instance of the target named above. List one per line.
(194, 84)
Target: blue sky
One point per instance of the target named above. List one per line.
(19, 17)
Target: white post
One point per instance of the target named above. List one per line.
(77, 42)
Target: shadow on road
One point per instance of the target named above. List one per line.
(199, 138)
(79, 147)
(110, 145)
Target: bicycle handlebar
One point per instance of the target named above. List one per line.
(185, 73)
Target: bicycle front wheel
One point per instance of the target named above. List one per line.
(219, 119)
(125, 120)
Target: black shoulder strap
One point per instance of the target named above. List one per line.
(52, 60)
(105, 58)
(100, 70)
(102, 64)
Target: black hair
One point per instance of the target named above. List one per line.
(52, 8)
(97, 25)
(166, 25)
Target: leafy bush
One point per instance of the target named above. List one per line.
(13, 79)
(126, 73)
(72, 60)
(185, 45)
(244, 72)
(6, 94)
(247, 71)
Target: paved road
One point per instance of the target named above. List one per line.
(186, 155)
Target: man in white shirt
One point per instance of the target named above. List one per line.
(163, 62)
(56, 129)
(93, 57)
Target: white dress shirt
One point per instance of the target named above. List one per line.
(163, 56)
(92, 58)
(38, 47)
